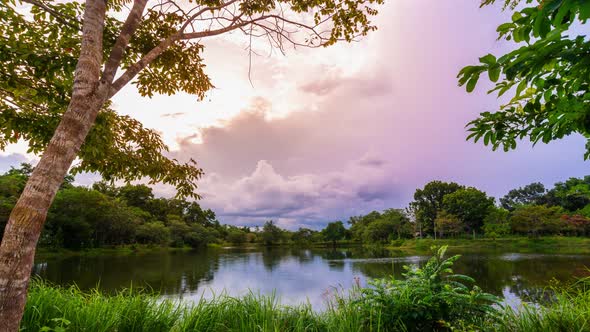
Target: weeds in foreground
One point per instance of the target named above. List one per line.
(426, 299)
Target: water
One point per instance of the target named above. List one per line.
(299, 275)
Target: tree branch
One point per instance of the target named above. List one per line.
(164, 44)
(127, 31)
(57, 15)
(275, 31)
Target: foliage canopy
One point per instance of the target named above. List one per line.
(547, 76)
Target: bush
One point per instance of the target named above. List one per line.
(427, 299)
(153, 233)
(536, 220)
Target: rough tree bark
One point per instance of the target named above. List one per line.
(17, 250)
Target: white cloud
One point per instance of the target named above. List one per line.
(300, 199)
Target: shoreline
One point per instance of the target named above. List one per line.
(549, 244)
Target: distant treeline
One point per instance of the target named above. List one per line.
(449, 209)
(106, 215)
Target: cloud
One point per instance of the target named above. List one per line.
(12, 160)
(300, 199)
(173, 115)
(333, 80)
(363, 135)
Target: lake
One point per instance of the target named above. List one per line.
(298, 275)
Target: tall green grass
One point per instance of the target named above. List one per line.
(430, 298)
(53, 308)
(568, 310)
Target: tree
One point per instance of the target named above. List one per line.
(303, 235)
(529, 194)
(548, 76)
(153, 233)
(448, 223)
(381, 230)
(572, 195)
(194, 214)
(178, 230)
(236, 235)
(470, 205)
(536, 220)
(12, 184)
(585, 211)
(83, 218)
(160, 51)
(334, 231)
(402, 226)
(496, 224)
(576, 224)
(271, 234)
(359, 223)
(428, 202)
(106, 188)
(136, 195)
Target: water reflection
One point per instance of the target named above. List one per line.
(298, 275)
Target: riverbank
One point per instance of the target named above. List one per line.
(550, 244)
(426, 299)
(119, 250)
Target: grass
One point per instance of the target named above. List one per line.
(118, 250)
(569, 310)
(549, 244)
(69, 309)
(430, 298)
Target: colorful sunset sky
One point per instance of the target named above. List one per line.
(318, 135)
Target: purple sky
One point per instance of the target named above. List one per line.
(325, 134)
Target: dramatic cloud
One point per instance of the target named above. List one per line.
(363, 136)
(302, 199)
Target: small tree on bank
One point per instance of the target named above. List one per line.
(334, 231)
(158, 49)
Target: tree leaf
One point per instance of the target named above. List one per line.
(472, 83)
(494, 73)
(488, 59)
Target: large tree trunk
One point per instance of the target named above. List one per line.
(17, 250)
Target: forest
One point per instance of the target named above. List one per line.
(106, 215)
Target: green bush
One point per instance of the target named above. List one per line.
(427, 299)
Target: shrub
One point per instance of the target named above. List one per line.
(427, 299)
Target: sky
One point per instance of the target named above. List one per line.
(318, 135)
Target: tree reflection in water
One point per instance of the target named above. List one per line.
(298, 275)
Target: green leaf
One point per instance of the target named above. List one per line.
(486, 138)
(584, 10)
(494, 73)
(564, 10)
(516, 16)
(521, 86)
(488, 59)
(503, 28)
(547, 95)
(472, 83)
